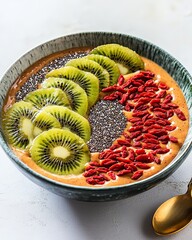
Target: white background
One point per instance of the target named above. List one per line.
(26, 210)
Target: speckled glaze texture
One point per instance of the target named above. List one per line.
(142, 47)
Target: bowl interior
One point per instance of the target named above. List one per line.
(142, 47)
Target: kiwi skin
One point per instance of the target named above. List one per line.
(76, 94)
(60, 151)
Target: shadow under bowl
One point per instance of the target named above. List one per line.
(92, 39)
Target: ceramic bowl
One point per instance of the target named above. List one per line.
(142, 47)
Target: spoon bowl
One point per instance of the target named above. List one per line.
(174, 214)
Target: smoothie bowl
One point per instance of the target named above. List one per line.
(96, 116)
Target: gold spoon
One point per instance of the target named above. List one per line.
(174, 214)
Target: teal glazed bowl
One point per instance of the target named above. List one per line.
(92, 39)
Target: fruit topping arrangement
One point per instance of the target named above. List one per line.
(58, 125)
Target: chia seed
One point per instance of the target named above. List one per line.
(107, 122)
(37, 78)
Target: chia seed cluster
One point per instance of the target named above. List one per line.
(108, 123)
(37, 78)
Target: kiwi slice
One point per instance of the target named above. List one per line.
(108, 64)
(17, 124)
(93, 67)
(127, 60)
(71, 120)
(60, 151)
(88, 81)
(44, 121)
(76, 94)
(49, 96)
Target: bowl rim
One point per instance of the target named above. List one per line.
(148, 181)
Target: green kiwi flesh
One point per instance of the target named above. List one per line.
(17, 124)
(127, 60)
(108, 64)
(44, 121)
(88, 65)
(76, 94)
(60, 151)
(88, 81)
(71, 120)
(49, 96)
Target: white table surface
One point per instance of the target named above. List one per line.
(26, 210)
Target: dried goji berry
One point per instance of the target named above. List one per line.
(102, 169)
(121, 80)
(148, 135)
(140, 113)
(131, 155)
(104, 177)
(94, 163)
(180, 114)
(161, 114)
(136, 175)
(112, 175)
(150, 146)
(157, 132)
(117, 166)
(115, 146)
(137, 144)
(91, 181)
(135, 134)
(142, 158)
(170, 128)
(161, 94)
(124, 160)
(173, 139)
(167, 99)
(173, 105)
(155, 102)
(123, 142)
(140, 151)
(163, 86)
(109, 89)
(162, 150)
(124, 172)
(134, 129)
(134, 119)
(89, 172)
(89, 167)
(107, 162)
(142, 165)
(150, 140)
(170, 113)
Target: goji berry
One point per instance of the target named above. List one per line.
(173, 139)
(124, 172)
(142, 165)
(136, 175)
